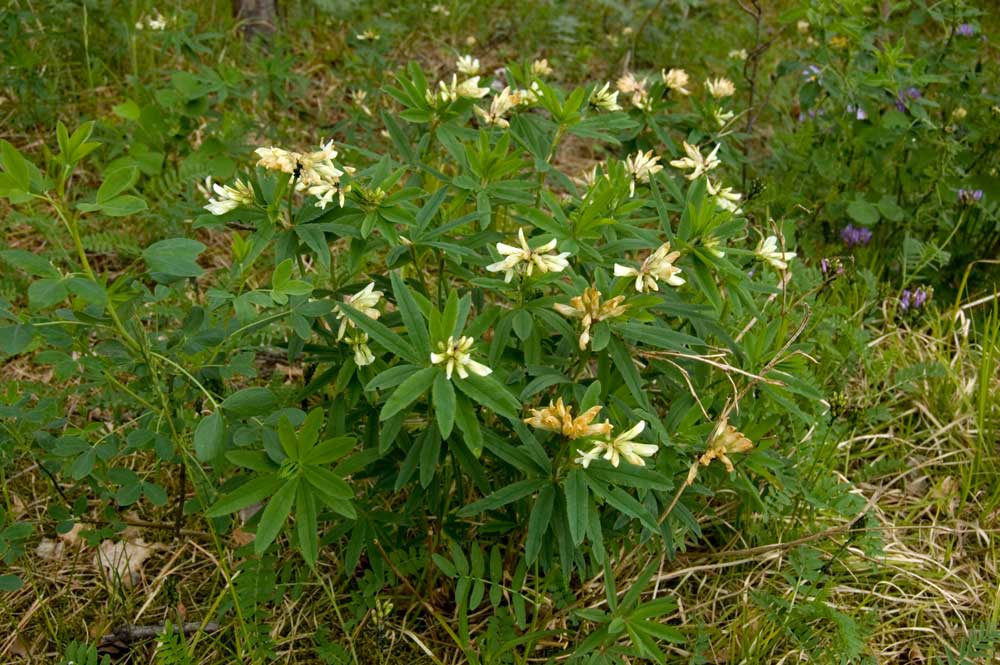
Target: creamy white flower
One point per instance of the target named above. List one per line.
(589, 308)
(725, 197)
(525, 259)
(467, 65)
(641, 166)
(440, 9)
(720, 87)
(624, 445)
(155, 22)
(502, 103)
(767, 250)
(541, 68)
(722, 117)
(368, 35)
(605, 99)
(658, 266)
(455, 355)
(586, 457)
(676, 79)
(695, 161)
(359, 344)
(230, 198)
(365, 301)
(739, 54)
(358, 98)
(803, 27)
(470, 89)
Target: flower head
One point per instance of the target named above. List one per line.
(970, 196)
(557, 417)
(739, 54)
(855, 235)
(811, 74)
(767, 250)
(641, 166)
(454, 354)
(720, 87)
(630, 85)
(624, 445)
(525, 259)
(369, 35)
(365, 301)
(315, 171)
(676, 79)
(541, 68)
(358, 341)
(230, 197)
(724, 441)
(965, 30)
(695, 161)
(502, 103)
(589, 309)
(605, 99)
(657, 266)
(725, 197)
(467, 65)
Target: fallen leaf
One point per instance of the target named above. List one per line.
(123, 560)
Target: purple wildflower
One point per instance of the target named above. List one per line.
(904, 300)
(915, 299)
(919, 298)
(855, 235)
(859, 113)
(970, 196)
(965, 30)
(834, 266)
(909, 93)
(811, 73)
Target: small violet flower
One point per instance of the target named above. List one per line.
(859, 113)
(969, 196)
(965, 30)
(811, 74)
(855, 235)
(914, 299)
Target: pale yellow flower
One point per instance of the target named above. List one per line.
(657, 266)
(767, 250)
(589, 309)
(641, 166)
(725, 197)
(695, 161)
(724, 441)
(739, 54)
(501, 104)
(358, 342)
(369, 35)
(365, 301)
(541, 68)
(720, 87)
(605, 99)
(676, 79)
(230, 197)
(623, 445)
(467, 65)
(455, 355)
(525, 259)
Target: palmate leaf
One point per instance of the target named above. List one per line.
(409, 391)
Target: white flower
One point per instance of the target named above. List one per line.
(722, 117)
(658, 266)
(586, 457)
(630, 85)
(589, 309)
(541, 68)
(696, 161)
(470, 89)
(455, 355)
(365, 301)
(368, 35)
(641, 166)
(440, 9)
(362, 353)
(725, 197)
(316, 173)
(605, 99)
(157, 22)
(358, 98)
(720, 87)
(467, 65)
(230, 198)
(676, 79)
(803, 27)
(501, 104)
(738, 54)
(526, 259)
(768, 251)
(623, 445)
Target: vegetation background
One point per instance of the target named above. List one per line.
(863, 526)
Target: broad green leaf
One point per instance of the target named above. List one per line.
(330, 450)
(275, 515)
(15, 339)
(15, 165)
(327, 481)
(289, 439)
(33, 264)
(174, 257)
(306, 524)
(490, 393)
(257, 401)
(465, 417)
(209, 437)
(245, 495)
(538, 522)
(863, 212)
(416, 327)
(255, 460)
(444, 404)
(409, 391)
(45, 293)
(116, 182)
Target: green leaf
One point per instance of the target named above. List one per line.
(255, 460)
(327, 481)
(490, 393)
(120, 206)
(10, 583)
(275, 514)
(538, 522)
(30, 263)
(174, 257)
(257, 401)
(330, 450)
(15, 165)
(209, 437)
(306, 524)
(14, 339)
(444, 404)
(409, 391)
(863, 212)
(465, 417)
(416, 327)
(45, 293)
(575, 487)
(384, 336)
(503, 496)
(117, 182)
(245, 495)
